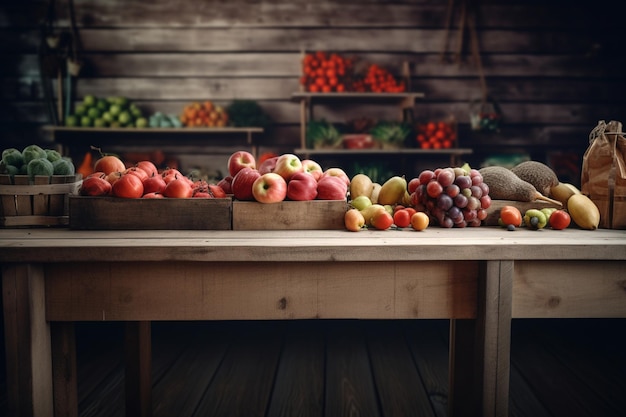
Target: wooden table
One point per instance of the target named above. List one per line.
(479, 278)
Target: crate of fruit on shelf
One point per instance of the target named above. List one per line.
(436, 133)
(34, 187)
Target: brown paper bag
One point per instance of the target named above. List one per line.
(603, 177)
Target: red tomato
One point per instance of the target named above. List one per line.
(402, 218)
(178, 188)
(149, 167)
(511, 215)
(95, 186)
(143, 175)
(128, 186)
(108, 164)
(560, 220)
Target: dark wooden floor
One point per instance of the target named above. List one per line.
(348, 368)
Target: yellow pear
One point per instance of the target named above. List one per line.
(392, 191)
(375, 191)
(361, 184)
(368, 212)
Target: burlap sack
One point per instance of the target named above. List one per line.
(603, 177)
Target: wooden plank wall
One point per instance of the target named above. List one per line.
(554, 68)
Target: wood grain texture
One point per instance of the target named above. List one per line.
(545, 289)
(253, 291)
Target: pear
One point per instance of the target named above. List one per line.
(360, 185)
(392, 191)
(369, 211)
(375, 191)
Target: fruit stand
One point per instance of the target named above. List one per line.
(480, 278)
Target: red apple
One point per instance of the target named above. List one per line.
(313, 168)
(381, 220)
(268, 165)
(302, 187)
(288, 164)
(154, 184)
(337, 172)
(226, 184)
(242, 183)
(202, 194)
(331, 187)
(152, 195)
(269, 188)
(239, 160)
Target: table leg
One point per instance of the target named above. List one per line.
(29, 371)
(64, 372)
(480, 349)
(138, 379)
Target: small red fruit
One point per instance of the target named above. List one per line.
(560, 220)
(402, 218)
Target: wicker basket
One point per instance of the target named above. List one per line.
(42, 201)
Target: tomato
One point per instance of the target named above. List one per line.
(128, 186)
(108, 164)
(217, 191)
(149, 167)
(143, 175)
(402, 218)
(178, 188)
(152, 195)
(95, 186)
(560, 220)
(510, 215)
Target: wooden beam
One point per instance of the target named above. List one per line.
(27, 338)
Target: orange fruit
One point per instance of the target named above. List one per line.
(420, 221)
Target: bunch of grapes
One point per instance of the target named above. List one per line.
(451, 196)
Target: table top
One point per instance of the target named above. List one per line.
(434, 243)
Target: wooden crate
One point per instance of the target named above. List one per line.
(493, 212)
(112, 213)
(289, 215)
(42, 201)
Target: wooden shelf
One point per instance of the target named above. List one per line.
(142, 137)
(402, 151)
(406, 98)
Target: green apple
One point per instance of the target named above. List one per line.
(361, 202)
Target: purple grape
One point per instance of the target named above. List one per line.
(460, 201)
(463, 181)
(444, 202)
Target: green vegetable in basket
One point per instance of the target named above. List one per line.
(40, 166)
(63, 166)
(12, 156)
(33, 152)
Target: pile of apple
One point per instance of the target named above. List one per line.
(112, 178)
(282, 177)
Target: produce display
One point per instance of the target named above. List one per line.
(449, 197)
(324, 72)
(436, 134)
(205, 114)
(110, 112)
(34, 160)
(283, 177)
(112, 178)
(452, 196)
